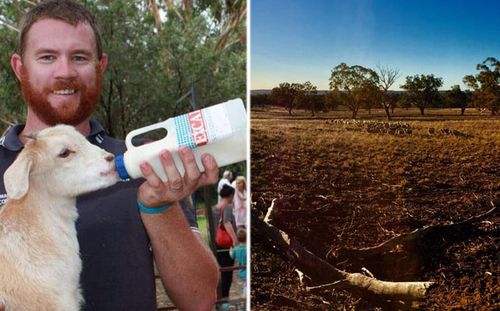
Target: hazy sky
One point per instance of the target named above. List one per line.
(300, 40)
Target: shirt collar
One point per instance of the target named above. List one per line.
(11, 139)
(95, 128)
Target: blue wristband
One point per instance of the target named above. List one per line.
(150, 210)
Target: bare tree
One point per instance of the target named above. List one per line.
(387, 77)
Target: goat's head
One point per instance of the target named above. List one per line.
(63, 162)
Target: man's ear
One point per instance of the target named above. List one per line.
(17, 176)
(103, 63)
(16, 63)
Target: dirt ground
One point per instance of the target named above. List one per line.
(237, 299)
(350, 184)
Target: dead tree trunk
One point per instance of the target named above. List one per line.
(321, 271)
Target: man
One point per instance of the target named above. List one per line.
(60, 64)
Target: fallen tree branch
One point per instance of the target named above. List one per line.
(267, 218)
(323, 286)
(322, 272)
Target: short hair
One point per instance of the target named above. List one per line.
(226, 191)
(63, 10)
(227, 174)
(241, 234)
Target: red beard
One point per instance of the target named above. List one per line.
(66, 113)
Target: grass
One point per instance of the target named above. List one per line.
(336, 184)
(203, 226)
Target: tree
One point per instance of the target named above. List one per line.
(423, 90)
(457, 98)
(369, 96)
(394, 99)
(486, 85)
(355, 84)
(332, 100)
(284, 95)
(306, 96)
(387, 77)
(261, 100)
(12, 108)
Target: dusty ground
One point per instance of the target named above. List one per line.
(348, 185)
(235, 295)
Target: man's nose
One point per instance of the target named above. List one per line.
(64, 68)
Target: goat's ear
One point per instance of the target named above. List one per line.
(17, 176)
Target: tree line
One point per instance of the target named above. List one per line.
(357, 87)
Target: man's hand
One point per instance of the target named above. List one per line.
(187, 267)
(154, 192)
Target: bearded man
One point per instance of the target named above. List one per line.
(60, 64)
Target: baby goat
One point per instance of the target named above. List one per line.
(39, 254)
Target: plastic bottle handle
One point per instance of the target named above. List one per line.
(142, 130)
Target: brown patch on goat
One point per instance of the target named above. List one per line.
(36, 297)
(27, 220)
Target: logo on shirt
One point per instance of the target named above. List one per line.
(3, 199)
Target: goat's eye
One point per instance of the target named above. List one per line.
(64, 153)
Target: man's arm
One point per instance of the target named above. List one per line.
(187, 268)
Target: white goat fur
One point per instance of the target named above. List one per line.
(40, 263)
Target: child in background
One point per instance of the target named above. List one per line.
(239, 252)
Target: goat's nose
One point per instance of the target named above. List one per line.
(110, 157)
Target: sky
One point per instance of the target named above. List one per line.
(301, 40)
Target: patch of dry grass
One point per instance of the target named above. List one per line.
(340, 185)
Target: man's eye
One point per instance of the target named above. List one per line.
(65, 153)
(47, 58)
(79, 58)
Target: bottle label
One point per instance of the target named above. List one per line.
(203, 126)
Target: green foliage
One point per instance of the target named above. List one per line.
(423, 90)
(12, 108)
(357, 85)
(456, 98)
(261, 100)
(486, 85)
(333, 100)
(296, 95)
(148, 69)
(284, 95)
(307, 97)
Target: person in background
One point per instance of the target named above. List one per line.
(239, 254)
(227, 176)
(223, 212)
(240, 202)
(123, 229)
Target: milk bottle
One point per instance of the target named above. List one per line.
(219, 130)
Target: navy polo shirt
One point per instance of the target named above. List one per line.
(117, 259)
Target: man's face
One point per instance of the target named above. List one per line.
(60, 72)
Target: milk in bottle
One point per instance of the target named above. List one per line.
(219, 130)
